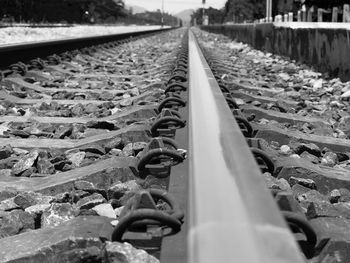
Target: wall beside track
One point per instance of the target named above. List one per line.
(325, 46)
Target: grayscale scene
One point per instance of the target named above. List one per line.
(174, 131)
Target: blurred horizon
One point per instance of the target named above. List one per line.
(174, 6)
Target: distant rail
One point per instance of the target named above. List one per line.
(13, 53)
(33, 25)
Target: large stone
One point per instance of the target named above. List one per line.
(30, 172)
(57, 214)
(138, 146)
(91, 108)
(308, 147)
(334, 234)
(284, 76)
(91, 201)
(106, 96)
(58, 244)
(312, 196)
(78, 110)
(287, 202)
(310, 157)
(128, 150)
(334, 196)
(8, 205)
(325, 178)
(25, 163)
(325, 209)
(15, 222)
(298, 189)
(126, 102)
(8, 163)
(63, 131)
(345, 95)
(125, 253)
(274, 183)
(344, 195)
(43, 164)
(84, 185)
(37, 209)
(8, 193)
(91, 254)
(5, 151)
(26, 199)
(76, 195)
(88, 187)
(76, 158)
(134, 92)
(329, 159)
(115, 143)
(64, 197)
(119, 189)
(285, 150)
(105, 210)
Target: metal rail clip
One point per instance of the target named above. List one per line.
(147, 217)
(167, 121)
(158, 157)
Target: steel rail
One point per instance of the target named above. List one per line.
(233, 217)
(14, 53)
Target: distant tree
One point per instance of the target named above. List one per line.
(244, 10)
(215, 16)
(152, 18)
(58, 10)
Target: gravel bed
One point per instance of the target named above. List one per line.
(137, 58)
(139, 70)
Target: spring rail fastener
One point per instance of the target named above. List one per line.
(263, 160)
(175, 87)
(171, 102)
(245, 126)
(166, 126)
(297, 223)
(133, 218)
(157, 158)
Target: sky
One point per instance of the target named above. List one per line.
(175, 6)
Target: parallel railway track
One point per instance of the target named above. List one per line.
(172, 159)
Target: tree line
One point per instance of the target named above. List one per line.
(233, 11)
(76, 11)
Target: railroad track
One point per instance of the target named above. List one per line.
(303, 140)
(141, 141)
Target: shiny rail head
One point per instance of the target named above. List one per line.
(233, 217)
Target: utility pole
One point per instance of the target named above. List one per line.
(162, 17)
(268, 10)
(205, 18)
(203, 4)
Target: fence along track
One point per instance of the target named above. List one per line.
(233, 217)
